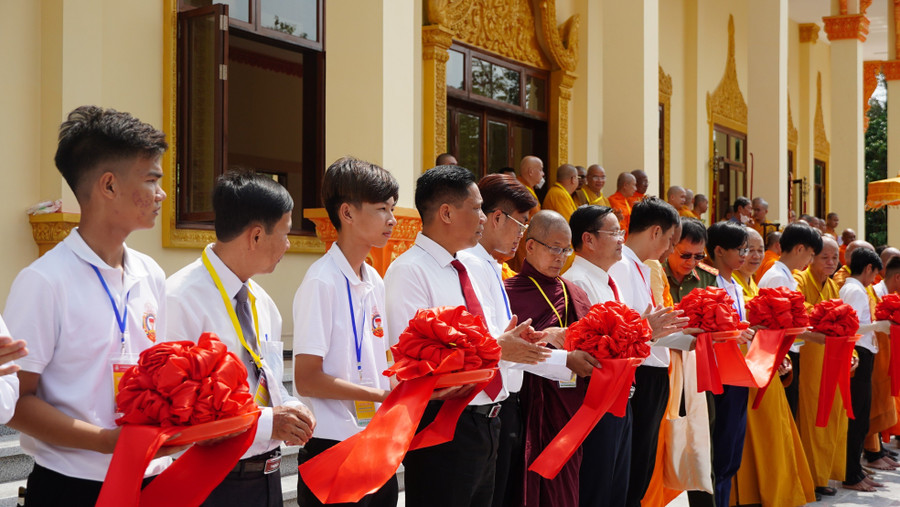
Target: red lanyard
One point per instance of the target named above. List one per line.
(652, 298)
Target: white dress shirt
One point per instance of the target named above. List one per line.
(195, 306)
(486, 272)
(9, 387)
(592, 279)
(420, 278)
(880, 289)
(61, 310)
(854, 294)
(632, 278)
(323, 327)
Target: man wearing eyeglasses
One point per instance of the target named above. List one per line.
(682, 265)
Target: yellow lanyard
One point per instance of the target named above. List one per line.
(565, 299)
(231, 313)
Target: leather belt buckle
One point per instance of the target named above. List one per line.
(494, 412)
(272, 465)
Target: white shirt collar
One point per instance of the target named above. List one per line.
(81, 249)
(592, 269)
(632, 257)
(337, 255)
(854, 281)
(440, 254)
(230, 281)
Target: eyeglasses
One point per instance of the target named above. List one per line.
(697, 257)
(743, 251)
(616, 234)
(555, 250)
(522, 227)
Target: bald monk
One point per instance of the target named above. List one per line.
(688, 209)
(701, 204)
(641, 182)
(826, 448)
(847, 237)
(676, 197)
(886, 255)
(531, 173)
(559, 197)
(538, 293)
(773, 252)
(842, 274)
(596, 180)
(626, 186)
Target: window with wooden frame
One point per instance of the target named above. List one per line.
(731, 168)
(250, 97)
(820, 182)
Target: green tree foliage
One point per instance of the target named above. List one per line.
(876, 168)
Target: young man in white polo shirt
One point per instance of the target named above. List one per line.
(88, 305)
(215, 293)
(10, 350)
(340, 347)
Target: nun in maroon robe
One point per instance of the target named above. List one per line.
(547, 407)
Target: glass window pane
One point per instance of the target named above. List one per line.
(201, 105)
(498, 146)
(737, 149)
(506, 85)
(523, 143)
(535, 94)
(293, 17)
(482, 77)
(456, 70)
(719, 142)
(237, 9)
(469, 142)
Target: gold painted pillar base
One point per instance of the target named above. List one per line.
(51, 228)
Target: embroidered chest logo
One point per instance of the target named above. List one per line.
(377, 328)
(149, 323)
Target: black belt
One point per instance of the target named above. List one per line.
(489, 411)
(254, 464)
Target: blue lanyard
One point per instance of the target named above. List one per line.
(356, 335)
(503, 291)
(737, 302)
(121, 320)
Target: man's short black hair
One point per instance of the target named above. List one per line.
(355, 182)
(91, 136)
(586, 219)
(862, 257)
(506, 193)
(740, 202)
(727, 235)
(692, 230)
(800, 234)
(241, 199)
(444, 184)
(652, 211)
(892, 267)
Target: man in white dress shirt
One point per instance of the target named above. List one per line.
(10, 350)
(460, 472)
(864, 265)
(216, 294)
(652, 225)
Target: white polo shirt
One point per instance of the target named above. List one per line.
(422, 277)
(9, 387)
(61, 310)
(323, 327)
(486, 273)
(854, 294)
(195, 306)
(632, 278)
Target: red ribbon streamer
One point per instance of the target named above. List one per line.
(835, 374)
(894, 368)
(708, 377)
(363, 463)
(765, 354)
(186, 483)
(607, 392)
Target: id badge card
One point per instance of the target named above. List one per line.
(118, 366)
(364, 411)
(572, 382)
(262, 397)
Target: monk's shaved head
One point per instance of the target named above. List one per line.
(548, 244)
(565, 172)
(854, 245)
(546, 222)
(624, 179)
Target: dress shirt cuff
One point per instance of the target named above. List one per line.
(265, 426)
(557, 357)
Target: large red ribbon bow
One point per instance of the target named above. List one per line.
(838, 322)
(175, 386)
(889, 309)
(441, 347)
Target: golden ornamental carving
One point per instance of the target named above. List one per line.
(665, 82)
(792, 133)
(822, 146)
(726, 105)
(562, 40)
(864, 6)
(891, 70)
(51, 228)
(809, 32)
(871, 69)
(502, 27)
(436, 40)
(447, 12)
(849, 26)
(665, 98)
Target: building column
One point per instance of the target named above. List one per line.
(891, 69)
(587, 118)
(806, 109)
(767, 108)
(631, 89)
(846, 169)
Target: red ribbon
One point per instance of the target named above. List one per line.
(765, 354)
(363, 463)
(607, 392)
(708, 377)
(186, 483)
(835, 374)
(894, 368)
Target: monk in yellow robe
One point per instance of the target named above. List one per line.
(883, 413)
(774, 471)
(593, 189)
(559, 197)
(531, 173)
(826, 448)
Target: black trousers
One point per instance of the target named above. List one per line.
(46, 488)
(247, 489)
(605, 462)
(458, 473)
(648, 405)
(384, 497)
(510, 455)
(792, 391)
(861, 396)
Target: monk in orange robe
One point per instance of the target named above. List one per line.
(625, 188)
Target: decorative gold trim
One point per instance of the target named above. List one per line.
(436, 40)
(849, 26)
(822, 146)
(51, 228)
(891, 70)
(665, 98)
(809, 32)
(562, 40)
(726, 105)
(502, 28)
(172, 235)
(871, 69)
(792, 133)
